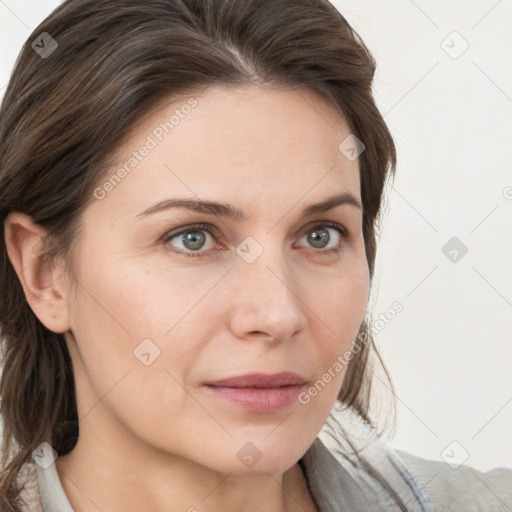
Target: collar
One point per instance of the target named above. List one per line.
(331, 485)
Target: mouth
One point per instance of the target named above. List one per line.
(259, 392)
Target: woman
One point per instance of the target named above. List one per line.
(189, 192)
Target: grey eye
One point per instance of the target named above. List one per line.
(191, 239)
(320, 236)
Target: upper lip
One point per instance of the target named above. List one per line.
(259, 380)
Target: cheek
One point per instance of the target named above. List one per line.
(344, 300)
(109, 320)
(125, 364)
(138, 318)
(342, 310)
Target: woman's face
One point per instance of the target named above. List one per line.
(169, 298)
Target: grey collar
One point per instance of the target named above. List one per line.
(332, 487)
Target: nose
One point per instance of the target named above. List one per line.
(267, 303)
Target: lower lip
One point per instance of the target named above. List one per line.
(259, 399)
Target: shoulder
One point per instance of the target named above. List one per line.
(463, 487)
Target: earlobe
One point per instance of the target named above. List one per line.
(42, 284)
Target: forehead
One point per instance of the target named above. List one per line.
(237, 144)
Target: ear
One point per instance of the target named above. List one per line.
(43, 283)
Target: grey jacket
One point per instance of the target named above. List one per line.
(464, 488)
(340, 485)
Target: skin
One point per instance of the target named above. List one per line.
(151, 436)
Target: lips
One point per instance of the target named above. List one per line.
(259, 380)
(258, 392)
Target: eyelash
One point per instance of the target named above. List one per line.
(213, 231)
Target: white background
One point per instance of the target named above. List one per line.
(449, 351)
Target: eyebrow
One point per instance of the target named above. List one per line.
(230, 211)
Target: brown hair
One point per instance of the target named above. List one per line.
(63, 116)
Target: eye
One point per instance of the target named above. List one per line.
(193, 239)
(320, 235)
